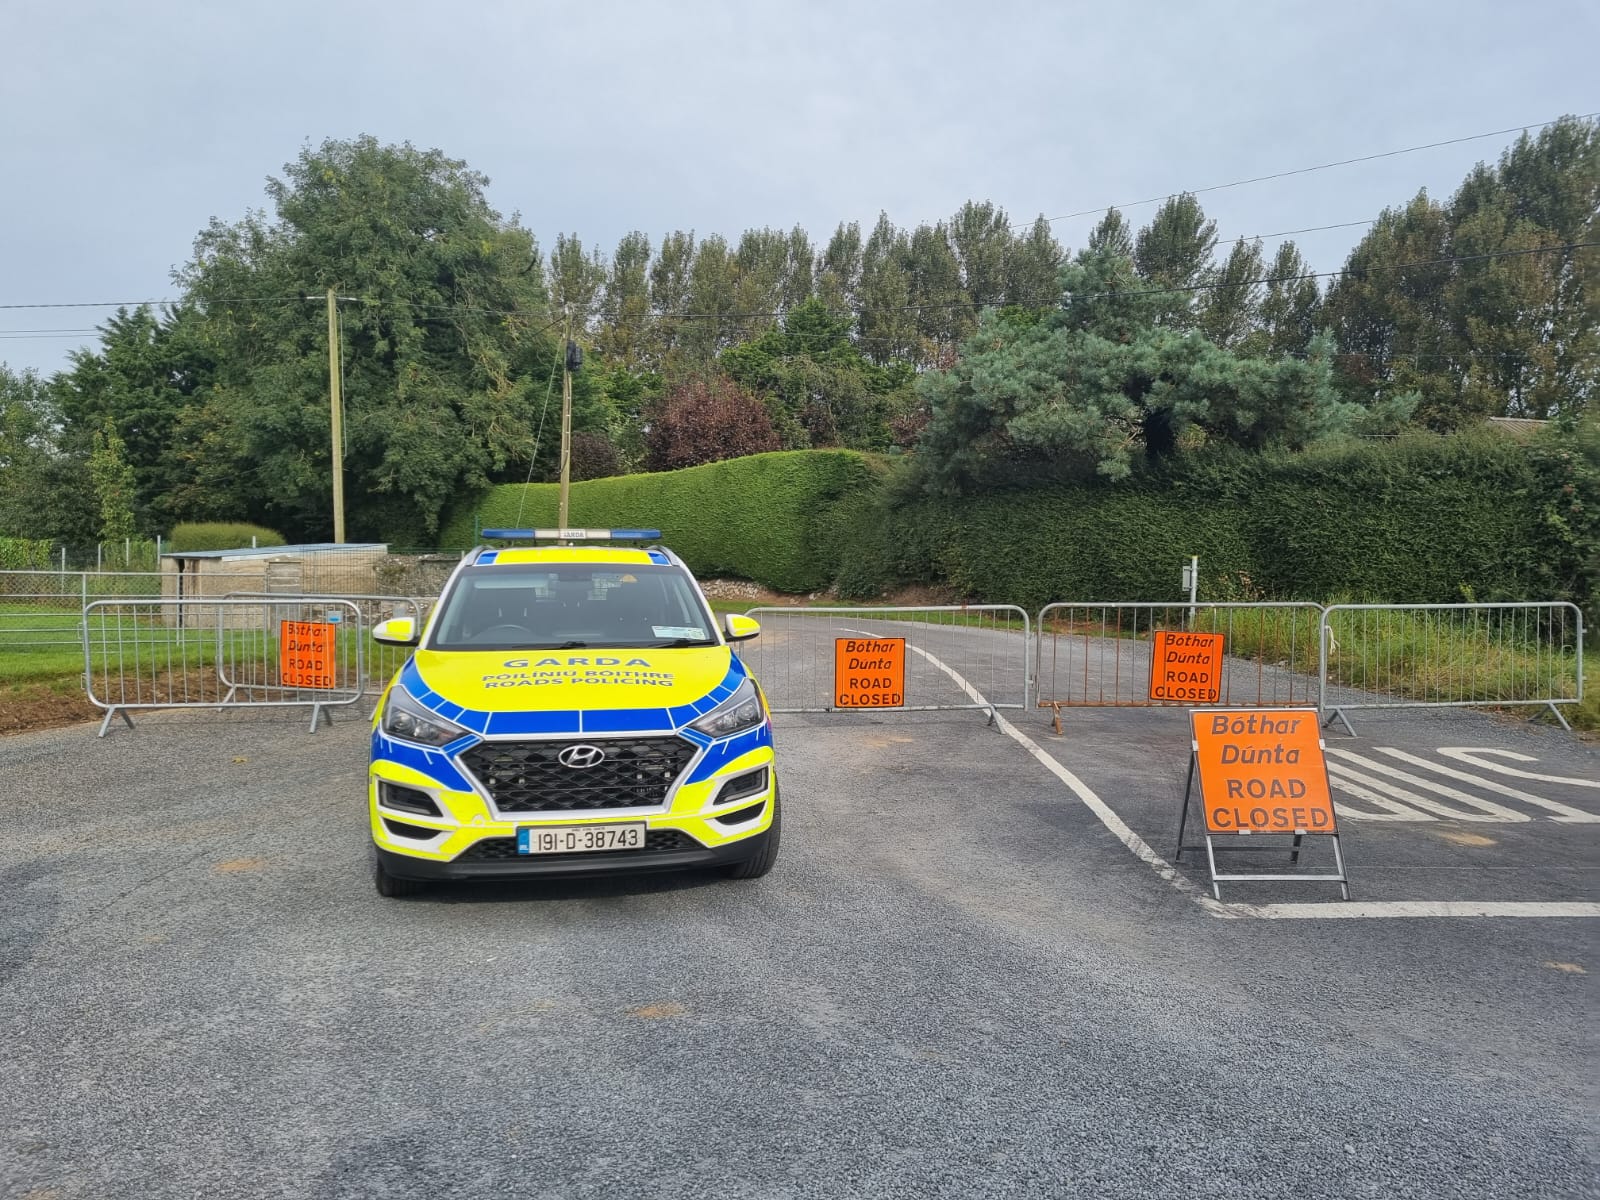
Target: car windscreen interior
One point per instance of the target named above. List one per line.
(537, 606)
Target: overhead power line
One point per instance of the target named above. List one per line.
(1327, 166)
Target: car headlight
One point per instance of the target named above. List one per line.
(404, 718)
(738, 712)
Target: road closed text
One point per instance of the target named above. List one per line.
(869, 672)
(1262, 772)
(1186, 666)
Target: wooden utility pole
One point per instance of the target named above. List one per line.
(566, 423)
(335, 393)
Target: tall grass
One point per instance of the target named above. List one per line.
(1484, 657)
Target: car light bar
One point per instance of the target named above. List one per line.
(573, 535)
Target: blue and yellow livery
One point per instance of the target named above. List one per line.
(570, 710)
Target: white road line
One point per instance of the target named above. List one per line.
(1465, 753)
(1570, 815)
(1427, 908)
(1141, 849)
(1487, 810)
(1333, 910)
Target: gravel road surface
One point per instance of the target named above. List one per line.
(957, 982)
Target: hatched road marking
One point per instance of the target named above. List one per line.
(1336, 909)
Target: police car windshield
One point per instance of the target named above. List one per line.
(536, 606)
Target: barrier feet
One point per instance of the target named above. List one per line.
(114, 711)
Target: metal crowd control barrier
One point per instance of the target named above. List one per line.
(222, 653)
(1450, 656)
(379, 660)
(1098, 655)
(985, 645)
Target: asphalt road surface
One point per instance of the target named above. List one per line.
(958, 981)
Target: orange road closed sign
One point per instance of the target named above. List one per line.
(869, 672)
(1262, 772)
(1186, 666)
(306, 654)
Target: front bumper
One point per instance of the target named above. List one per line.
(624, 862)
(467, 839)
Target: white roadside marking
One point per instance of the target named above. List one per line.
(1487, 810)
(1465, 754)
(1336, 910)
(1570, 815)
(1427, 908)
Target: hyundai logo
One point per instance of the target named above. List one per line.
(582, 757)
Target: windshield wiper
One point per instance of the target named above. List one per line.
(678, 643)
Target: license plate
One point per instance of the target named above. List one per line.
(579, 839)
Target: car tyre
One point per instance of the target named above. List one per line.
(395, 886)
(760, 862)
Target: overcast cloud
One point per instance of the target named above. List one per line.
(127, 126)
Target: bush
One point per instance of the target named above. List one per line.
(778, 519)
(219, 535)
(24, 554)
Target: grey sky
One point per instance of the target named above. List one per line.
(127, 126)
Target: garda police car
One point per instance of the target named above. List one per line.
(570, 709)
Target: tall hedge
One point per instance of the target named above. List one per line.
(774, 518)
(220, 535)
(1423, 518)
(1420, 519)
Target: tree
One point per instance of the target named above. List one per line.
(706, 419)
(1231, 307)
(1033, 267)
(887, 325)
(1100, 383)
(669, 289)
(1488, 305)
(446, 348)
(624, 335)
(576, 278)
(594, 457)
(1112, 235)
(981, 235)
(943, 312)
(1387, 311)
(839, 268)
(41, 483)
(1174, 251)
(713, 297)
(113, 482)
(1290, 306)
(820, 389)
(148, 375)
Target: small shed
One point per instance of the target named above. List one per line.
(321, 568)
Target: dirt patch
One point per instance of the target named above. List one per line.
(47, 704)
(655, 1012)
(235, 865)
(52, 703)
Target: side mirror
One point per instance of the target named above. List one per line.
(397, 631)
(739, 628)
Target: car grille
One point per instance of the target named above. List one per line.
(527, 777)
(656, 841)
